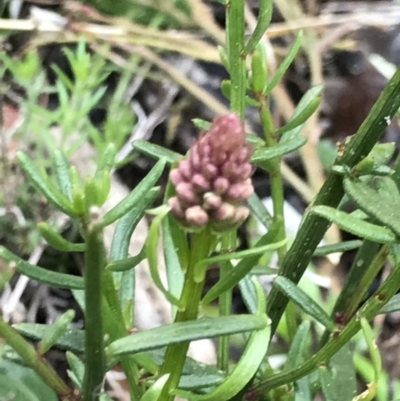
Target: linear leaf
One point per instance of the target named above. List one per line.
(327, 384)
(244, 370)
(301, 117)
(259, 210)
(55, 240)
(355, 226)
(382, 203)
(338, 247)
(156, 151)
(151, 247)
(295, 354)
(201, 266)
(304, 301)
(240, 271)
(72, 340)
(58, 199)
(155, 389)
(263, 20)
(286, 62)
(282, 148)
(62, 173)
(136, 195)
(40, 274)
(185, 331)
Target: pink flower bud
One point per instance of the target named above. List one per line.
(213, 181)
(196, 216)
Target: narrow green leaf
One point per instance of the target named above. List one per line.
(55, 240)
(295, 354)
(345, 246)
(152, 255)
(244, 370)
(249, 293)
(154, 392)
(201, 124)
(343, 373)
(383, 203)
(263, 21)
(136, 195)
(304, 103)
(201, 267)
(55, 331)
(126, 226)
(301, 117)
(175, 276)
(44, 276)
(306, 303)
(327, 384)
(16, 388)
(40, 184)
(285, 63)
(282, 148)
(107, 160)
(259, 210)
(123, 265)
(369, 336)
(72, 340)
(62, 173)
(355, 226)
(156, 151)
(77, 371)
(195, 382)
(185, 331)
(239, 271)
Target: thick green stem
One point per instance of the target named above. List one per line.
(95, 263)
(274, 168)
(338, 340)
(37, 363)
(313, 227)
(114, 325)
(225, 299)
(176, 354)
(235, 24)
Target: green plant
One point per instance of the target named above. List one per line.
(208, 196)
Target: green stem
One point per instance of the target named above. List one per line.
(95, 263)
(274, 168)
(313, 227)
(338, 339)
(38, 364)
(225, 299)
(235, 24)
(366, 282)
(176, 354)
(115, 327)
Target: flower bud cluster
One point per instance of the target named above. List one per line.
(214, 181)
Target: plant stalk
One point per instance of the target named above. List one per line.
(32, 358)
(225, 299)
(176, 354)
(235, 24)
(116, 329)
(314, 227)
(95, 262)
